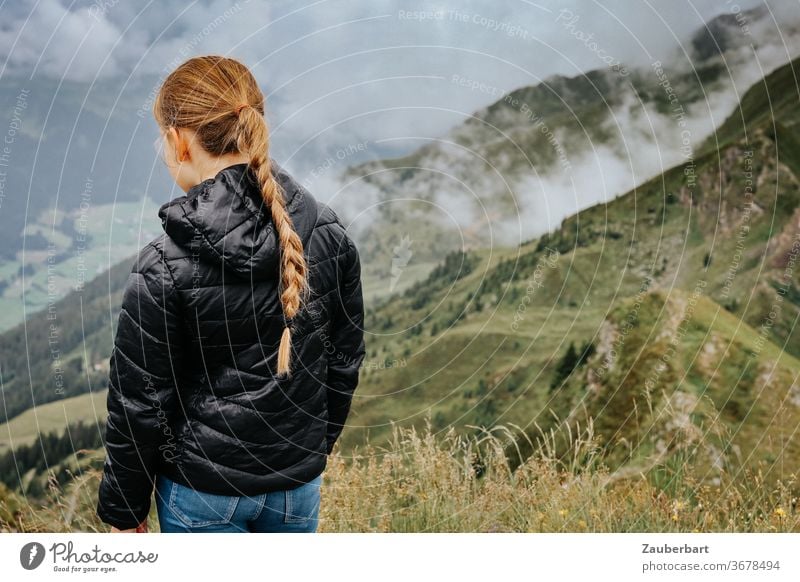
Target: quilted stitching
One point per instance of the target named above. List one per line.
(164, 416)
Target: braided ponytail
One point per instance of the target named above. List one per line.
(254, 140)
(219, 98)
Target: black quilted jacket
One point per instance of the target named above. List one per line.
(192, 391)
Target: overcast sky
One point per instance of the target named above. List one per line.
(85, 39)
(351, 68)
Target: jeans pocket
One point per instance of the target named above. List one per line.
(198, 509)
(302, 503)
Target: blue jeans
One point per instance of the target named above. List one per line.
(182, 509)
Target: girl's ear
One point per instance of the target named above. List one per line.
(181, 144)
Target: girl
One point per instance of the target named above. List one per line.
(240, 337)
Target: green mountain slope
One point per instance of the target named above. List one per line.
(529, 153)
(683, 295)
(62, 351)
(770, 103)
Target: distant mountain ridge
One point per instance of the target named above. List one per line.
(678, 299)
(516, 167)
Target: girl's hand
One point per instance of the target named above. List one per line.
(142, 528)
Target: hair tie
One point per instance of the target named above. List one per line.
(239, 108)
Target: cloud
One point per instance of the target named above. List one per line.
(339, 72)
(353, 69)
(57, 42)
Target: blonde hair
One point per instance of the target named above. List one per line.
(221, 101)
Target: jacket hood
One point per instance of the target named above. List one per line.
(224, 219)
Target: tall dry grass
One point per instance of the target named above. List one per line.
(422, 481)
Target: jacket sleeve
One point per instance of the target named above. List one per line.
(347, 333)
(142, 390)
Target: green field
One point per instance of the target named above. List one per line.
(112, 232)
(53, 417)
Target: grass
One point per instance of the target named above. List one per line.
(428, 481)
(52, 417)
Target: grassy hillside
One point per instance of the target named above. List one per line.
(424, 482)
(771, 102)
(681, 294)
(54, 416)
(62, 351)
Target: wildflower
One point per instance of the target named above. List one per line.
(582, 524)
(780, 512)
(562, 512)
(674, 517)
